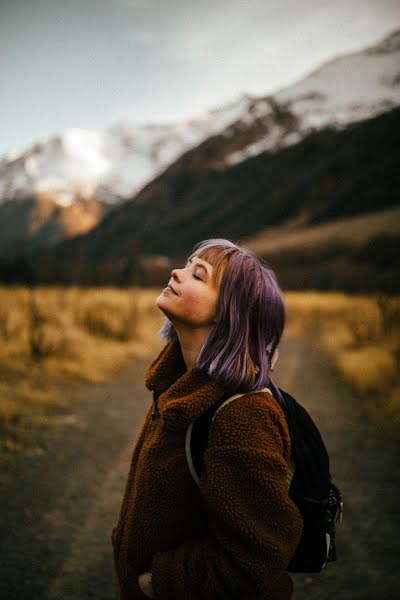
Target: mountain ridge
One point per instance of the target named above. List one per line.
(322, 149)
(330, 175)
(114, 164)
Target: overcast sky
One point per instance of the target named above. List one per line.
(91, 63)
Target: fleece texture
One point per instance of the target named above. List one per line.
(232, 538)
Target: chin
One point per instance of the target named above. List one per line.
(161, 304)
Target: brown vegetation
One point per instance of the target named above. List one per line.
(52, 337)
(362, 334)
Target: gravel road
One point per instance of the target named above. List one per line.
(58, 508)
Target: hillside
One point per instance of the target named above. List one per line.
(107, 167)
(354, 254)
(29, 224)
(331, 175)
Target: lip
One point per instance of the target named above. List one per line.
(169, 288)
(172, 288)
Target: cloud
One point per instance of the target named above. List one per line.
(142, 38)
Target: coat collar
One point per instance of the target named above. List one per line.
(182, 395)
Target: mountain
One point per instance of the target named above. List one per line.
(29, 224)
(322, 149)
(331, 176)
(112, 165)
(82, 174)
(357, 254)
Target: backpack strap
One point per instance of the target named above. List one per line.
(197, 437)
(234, 398)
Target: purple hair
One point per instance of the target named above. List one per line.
(250, 317)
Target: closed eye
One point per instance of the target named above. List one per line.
(197, 277)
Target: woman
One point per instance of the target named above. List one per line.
(233, 537)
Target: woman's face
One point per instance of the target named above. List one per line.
(191, 296)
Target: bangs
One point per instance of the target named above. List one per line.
(217, 253)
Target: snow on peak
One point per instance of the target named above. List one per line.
(348, 88)
(87, 147)
(114, 163)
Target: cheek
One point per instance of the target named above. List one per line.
(203, 305)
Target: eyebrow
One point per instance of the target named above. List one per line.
(190, 260)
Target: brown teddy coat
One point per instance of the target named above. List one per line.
(235, 537)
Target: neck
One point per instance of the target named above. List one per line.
(191, 342)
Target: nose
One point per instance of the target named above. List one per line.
(176, 274)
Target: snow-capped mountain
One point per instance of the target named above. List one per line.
(110, 164)
(349, 88)
(114, 164)
(330, 202)
(344, 90)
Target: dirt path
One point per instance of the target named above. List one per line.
(365, 465)
(58, 509)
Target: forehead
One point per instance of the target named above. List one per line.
(200, 261)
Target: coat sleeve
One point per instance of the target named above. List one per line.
(253, 525)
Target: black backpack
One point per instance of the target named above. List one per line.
(311, 488)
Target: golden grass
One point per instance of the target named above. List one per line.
(50, 336)
(362, 334)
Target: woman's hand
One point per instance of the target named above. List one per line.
(145, 584)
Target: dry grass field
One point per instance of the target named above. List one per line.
(362, 334)
(53, 337)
